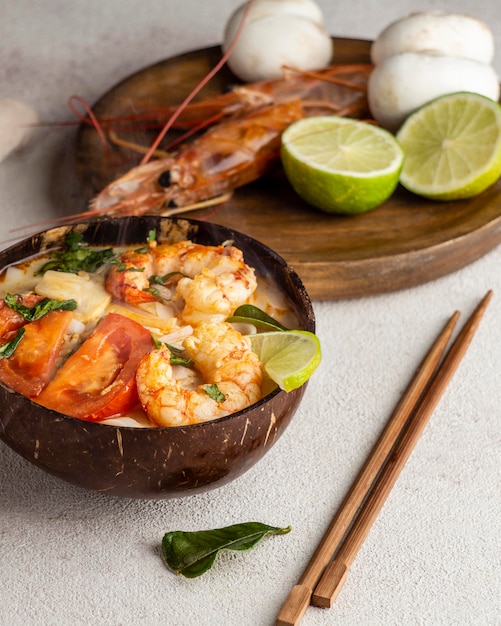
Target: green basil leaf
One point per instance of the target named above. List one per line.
(250, 314)
(41, 308)
(193, 553)
(8, 349)
(213, 392)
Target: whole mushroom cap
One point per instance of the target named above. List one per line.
(451, 34)
(277, 33)
(307, 9)
(402, 83)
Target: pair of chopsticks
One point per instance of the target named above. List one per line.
(326, 572)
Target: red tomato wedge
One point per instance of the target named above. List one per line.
(98, 380)
(33, 363)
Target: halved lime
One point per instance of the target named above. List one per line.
(289, 357)
(452, 147)
(341, 165)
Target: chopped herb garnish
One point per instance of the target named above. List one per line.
(152, 236)
(213, 392)
(176, 357)
(8, 349)
(154, 292)
(123, 267)
(173, 349)
(155, 279)
(77, 256)
(73, 240)
(41, 308)
(118, 265)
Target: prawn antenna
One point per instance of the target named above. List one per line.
(90, 115)
(200, 86)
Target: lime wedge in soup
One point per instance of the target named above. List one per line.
(289, 357)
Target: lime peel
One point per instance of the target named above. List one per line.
(288, 357)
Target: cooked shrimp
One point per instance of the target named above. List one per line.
(211, 280)
(131, 280)
(226, 365)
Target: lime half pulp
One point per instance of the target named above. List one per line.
(341, 165)
(452, 147)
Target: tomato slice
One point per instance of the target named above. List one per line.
(10, 320)
(98, 380)
(33, 363)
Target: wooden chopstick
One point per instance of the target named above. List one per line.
(300, 595)
(322, 593)
(334, 576)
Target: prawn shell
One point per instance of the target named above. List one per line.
(153, 462)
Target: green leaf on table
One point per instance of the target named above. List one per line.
(250, 314)
(193, 553)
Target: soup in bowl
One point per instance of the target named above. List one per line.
(139, 379)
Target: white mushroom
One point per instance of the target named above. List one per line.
(404, 82)
(451, 34)
(277, 33)
(17, 125)
(308, 9)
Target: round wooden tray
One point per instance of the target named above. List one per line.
(405, 242)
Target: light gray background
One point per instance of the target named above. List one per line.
(73, 557)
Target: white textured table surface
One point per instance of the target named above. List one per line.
(433, 556)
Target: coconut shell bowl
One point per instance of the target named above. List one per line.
(153, 462)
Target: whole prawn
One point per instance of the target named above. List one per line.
(226, 156)
(240, 148)
(230, 378)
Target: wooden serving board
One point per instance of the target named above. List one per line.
(404, 242)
